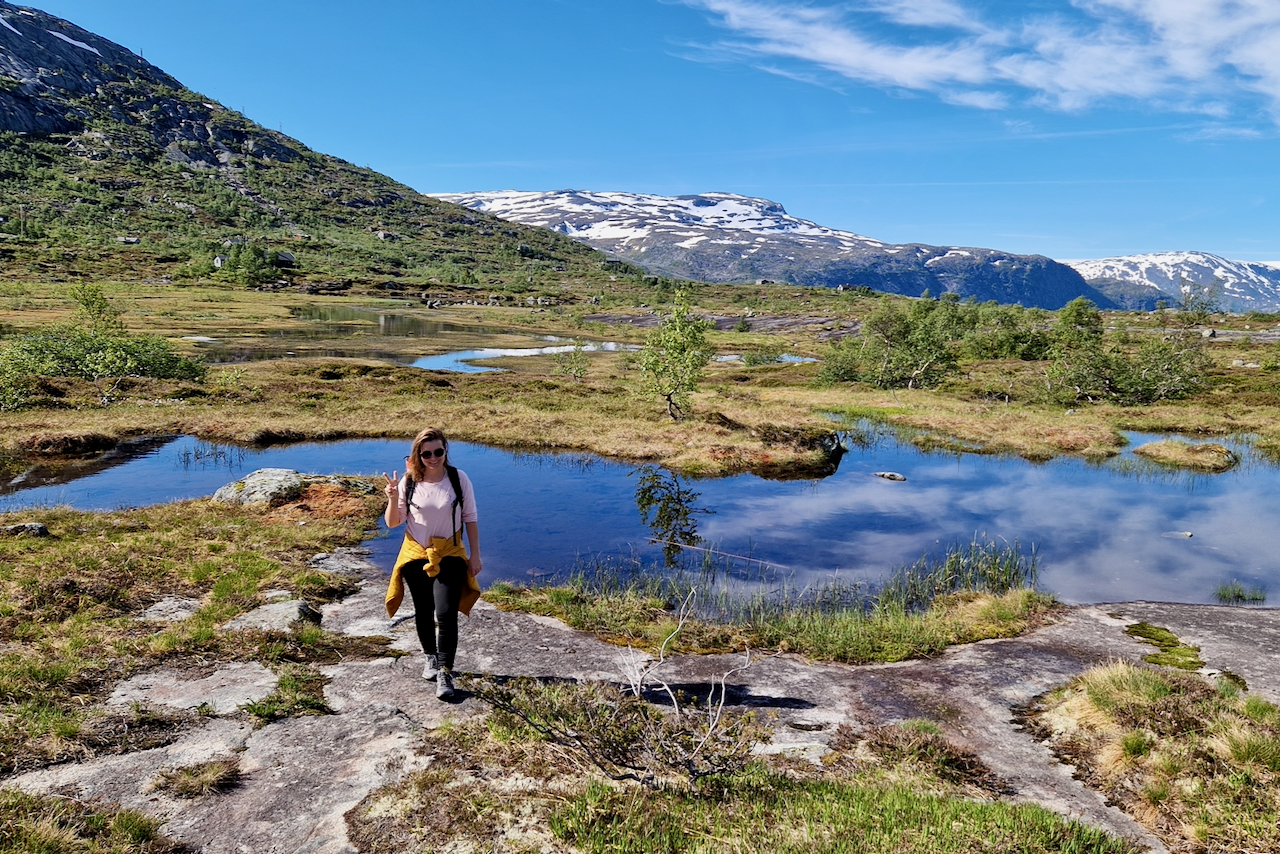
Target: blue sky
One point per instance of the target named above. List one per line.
(1070, 128)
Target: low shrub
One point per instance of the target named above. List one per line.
(100, 357)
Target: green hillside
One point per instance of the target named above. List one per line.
(135, 178)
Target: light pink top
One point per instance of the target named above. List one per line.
(432, 511)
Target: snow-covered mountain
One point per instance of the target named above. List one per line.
(723, 237)
(1244, 285)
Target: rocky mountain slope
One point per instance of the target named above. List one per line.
(1244, 286)
(111, 168)
(722, 237)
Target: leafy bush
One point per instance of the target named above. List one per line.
(899, 347)
(1006, 332)
(1079, 326)
(768, 355)
(69, 351)
(1156, 370)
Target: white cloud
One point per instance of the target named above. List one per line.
(1199, 55)
(981, 100)
(926, 13)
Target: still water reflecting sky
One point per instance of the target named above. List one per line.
(1104, 533)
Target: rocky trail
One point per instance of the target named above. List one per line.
(301, 775)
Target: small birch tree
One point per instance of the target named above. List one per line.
(674, 357)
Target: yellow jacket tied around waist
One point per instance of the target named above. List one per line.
(437, 550)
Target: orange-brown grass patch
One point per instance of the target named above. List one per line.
(323, 501)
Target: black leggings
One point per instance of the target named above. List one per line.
(444, 592)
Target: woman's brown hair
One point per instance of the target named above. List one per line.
(413, 465)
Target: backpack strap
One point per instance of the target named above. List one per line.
(454, 481)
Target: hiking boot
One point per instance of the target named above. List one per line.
(431, 668)
(444, 684)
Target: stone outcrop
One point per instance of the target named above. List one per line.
(274, 486)
(25, 529)
(38, 97)
(276, 616)
(301, 775)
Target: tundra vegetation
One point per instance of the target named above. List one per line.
(609, 768)
(945, 373)
(1196, 761)
(893, 789)
(128, 234)
(1014, 379)
(69, 638)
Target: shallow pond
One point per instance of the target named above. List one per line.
(326, 323)
(339, 322)
(1108, 532)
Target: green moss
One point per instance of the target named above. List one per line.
(1173, 652)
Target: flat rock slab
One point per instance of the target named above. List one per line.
(302, 775)
(489, 641)
(228, 688)
(275, 616)
(172, 609)
(1244, 641)
(345, 561)
(299, 778)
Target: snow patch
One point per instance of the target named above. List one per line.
(1243, 284)
(8, 25)
(613, 231)
(70, 40)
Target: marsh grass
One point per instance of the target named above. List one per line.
(71, 605)
(980, 565)
(1235, 593)
(1197, 763)
(316, 399)
(62, 825)
(898, 789)
(970, 593)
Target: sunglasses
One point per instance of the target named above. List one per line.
(437, 453)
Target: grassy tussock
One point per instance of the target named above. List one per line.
(71, 604)
(896, 789)
(1198, 764)
(203, 778)
(61, 825)
(1205, 457)
(299, 692)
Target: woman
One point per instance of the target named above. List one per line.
(437, 502)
